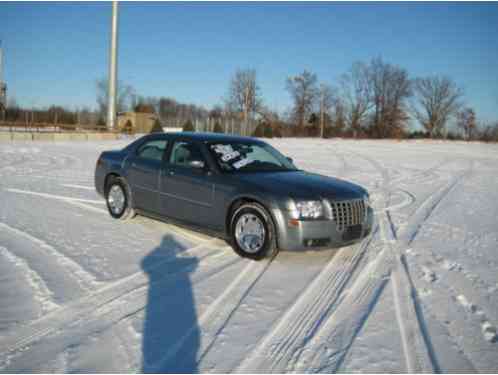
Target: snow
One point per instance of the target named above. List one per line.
(81, 292)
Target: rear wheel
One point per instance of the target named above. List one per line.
(252, 232)
(118, 199)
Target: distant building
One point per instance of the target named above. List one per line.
(138, 122)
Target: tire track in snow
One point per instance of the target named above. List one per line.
(303, 319)
(85, 279)
(81, 187)
(423, 176)
(211, 323)
(328, 348)
(424, 211)
(94, 323)
(417, 346)
(56, 197)
(345, 165)
(408, 199)
(42, 294)
(101, 296)
(454, 283)
(417, 349)
(56, 166)
(55, 163)
(11, 166)
(99, 310)
(407, 304)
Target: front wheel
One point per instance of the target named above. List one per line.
(252, 232)
(118, 200)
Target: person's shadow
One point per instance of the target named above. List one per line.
(170, 332)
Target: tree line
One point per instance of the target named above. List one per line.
(372, 99)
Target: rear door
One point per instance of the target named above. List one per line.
(144, 169)
(187, 188)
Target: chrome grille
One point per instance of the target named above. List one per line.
(347, 213)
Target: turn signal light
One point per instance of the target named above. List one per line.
(293, 222)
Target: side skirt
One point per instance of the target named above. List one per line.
(183, 224)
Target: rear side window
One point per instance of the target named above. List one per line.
(152, 150)
(184, 153)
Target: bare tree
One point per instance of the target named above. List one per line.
(488, 132)
(437, 99)
(466, 121)
(268, 115)
(167, 108)
(86, 117)
(339, 121)
(326, 103)
(303, 90)
(356, 96)
(390, 87)
(244, 93)
(125, 95)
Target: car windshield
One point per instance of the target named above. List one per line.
(235, 157)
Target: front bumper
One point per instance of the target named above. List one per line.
(316, 234)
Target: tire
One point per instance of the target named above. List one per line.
(248, 219)
(116, 187)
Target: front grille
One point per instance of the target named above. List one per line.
(348, 213)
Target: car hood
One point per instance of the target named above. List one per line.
(303, 185)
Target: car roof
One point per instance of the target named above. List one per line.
(210, 137)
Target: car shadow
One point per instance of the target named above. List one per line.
(170, 332)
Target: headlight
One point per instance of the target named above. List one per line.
(309, 209)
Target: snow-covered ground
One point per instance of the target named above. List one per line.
(82, 292)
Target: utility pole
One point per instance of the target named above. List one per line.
(113, 69)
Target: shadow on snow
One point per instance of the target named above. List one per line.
(170, 332)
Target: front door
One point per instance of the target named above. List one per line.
(187, 188)
(143, 174)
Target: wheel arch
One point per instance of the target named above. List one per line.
(108, 178)
(241, 200)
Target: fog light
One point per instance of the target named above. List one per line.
(316, 242)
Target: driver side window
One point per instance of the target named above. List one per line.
(184, 153)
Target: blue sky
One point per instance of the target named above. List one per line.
(54, 52)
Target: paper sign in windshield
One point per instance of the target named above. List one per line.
(228, 154)
(242, 163)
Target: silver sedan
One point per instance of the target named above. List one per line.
(237, 188)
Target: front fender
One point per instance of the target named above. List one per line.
(271, 203)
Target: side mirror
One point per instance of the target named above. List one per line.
(197, 164)
(289, 159)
